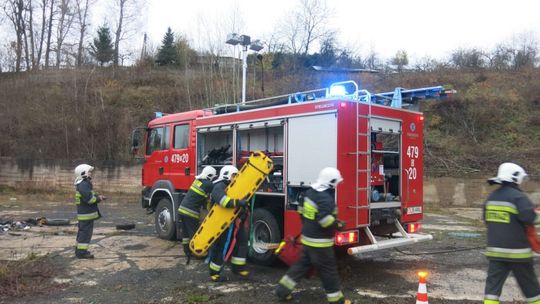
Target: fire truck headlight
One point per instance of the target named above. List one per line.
(338, 90)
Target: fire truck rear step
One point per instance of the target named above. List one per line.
(401, 238)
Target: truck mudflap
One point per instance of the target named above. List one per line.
(243, 186)
(400, 238)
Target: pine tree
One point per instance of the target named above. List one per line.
(167, 52)
(102, 49)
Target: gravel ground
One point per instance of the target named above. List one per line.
(136, 267)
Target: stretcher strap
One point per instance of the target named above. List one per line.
(250, 164)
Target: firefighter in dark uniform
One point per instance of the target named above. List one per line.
(87, 209)
(196, 198)
(239, 254)
(319, 215)
(506, 212)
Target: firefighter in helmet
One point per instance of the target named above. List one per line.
(506, 212)
(196, 198)
(87, 209)
(239, 253)
(319, 215)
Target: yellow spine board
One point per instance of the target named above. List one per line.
(243, 186)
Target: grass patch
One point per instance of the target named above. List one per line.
(190, 296)
(4, 189)
(30, 276)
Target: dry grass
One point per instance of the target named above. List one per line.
(30, 276)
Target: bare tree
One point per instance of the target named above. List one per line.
(310, 24)
(289, 33)
(372, 60)
(525, 50)
(65, 20)
(210, 41)
(121, 8)
(14, 10)
(32, 55)
(49, 33)
(127, 15)
(82, 15)
(43, 27)
(314, 17)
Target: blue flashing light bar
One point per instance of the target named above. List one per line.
(337, 90)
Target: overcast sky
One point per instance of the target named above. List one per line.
(422, 27)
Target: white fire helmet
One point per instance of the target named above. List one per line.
(208, 173)
(226, 173)
(509, 172)
(82, 171)
(328, 178)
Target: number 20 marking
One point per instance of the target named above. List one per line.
(411, 173)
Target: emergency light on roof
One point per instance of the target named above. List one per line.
(348, 89)
(159, 114)
(337, 90)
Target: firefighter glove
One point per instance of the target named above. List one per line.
(102, 197)
(241, 203)
(340, 225)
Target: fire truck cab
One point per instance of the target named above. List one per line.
(375, 140)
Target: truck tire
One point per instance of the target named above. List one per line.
(164, 220)
(266, 230)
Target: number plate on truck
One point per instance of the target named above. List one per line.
(414, 210)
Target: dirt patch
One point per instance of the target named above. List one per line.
(136, 267)
(30, 276)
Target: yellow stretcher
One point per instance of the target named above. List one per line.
(250, 177)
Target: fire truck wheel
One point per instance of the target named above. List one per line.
(164, 221)
(265, 230)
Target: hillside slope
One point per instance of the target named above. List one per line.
(90, 113)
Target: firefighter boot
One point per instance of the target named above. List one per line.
(283, 293)
(215, 272)
(187, 252)
(240, 270)
(83, 254)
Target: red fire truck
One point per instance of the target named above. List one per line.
(375, 140)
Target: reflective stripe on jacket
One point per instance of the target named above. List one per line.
(219, 196)
(506, 212)
(196, 198)
(87, 201)
(319, 212)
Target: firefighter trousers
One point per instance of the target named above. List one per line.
(523, 272)
(189, 227)
(84, 235)
(324, 261)
(239, 253)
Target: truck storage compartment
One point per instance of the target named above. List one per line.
(214, 147)
(312, 146)
(266, 136)
(385, 163)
